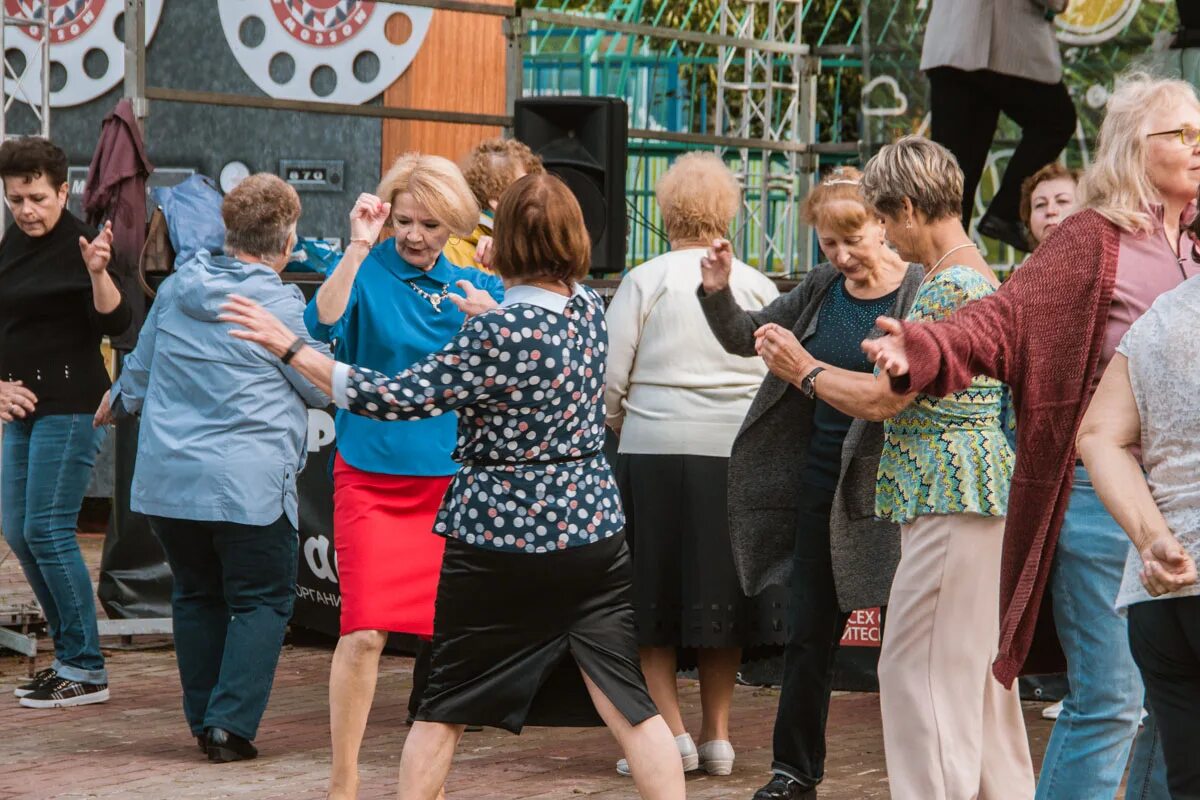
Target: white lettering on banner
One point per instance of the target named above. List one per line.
(862, 629)
(320, 429)
(317, 596)
(317, 34)
(316, 553)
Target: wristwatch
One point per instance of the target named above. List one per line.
(808, 384)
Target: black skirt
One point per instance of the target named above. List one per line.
(511, 632)
(686, 590)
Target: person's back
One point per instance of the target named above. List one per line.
(223, 428)
(677, 388)
(1166, 383)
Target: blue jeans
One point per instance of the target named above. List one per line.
(232, 599)
(47, 463)
(1088, 749)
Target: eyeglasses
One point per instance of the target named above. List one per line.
(1188, 137)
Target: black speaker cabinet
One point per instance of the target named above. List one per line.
(583, 141)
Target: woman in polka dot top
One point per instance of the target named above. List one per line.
(534, 619)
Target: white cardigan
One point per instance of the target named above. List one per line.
(671, 388)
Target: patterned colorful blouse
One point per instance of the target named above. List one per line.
(947, 455)
(527, 381)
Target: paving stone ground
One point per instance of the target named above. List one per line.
(137, 746)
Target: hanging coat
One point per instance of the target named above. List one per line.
(116, 190)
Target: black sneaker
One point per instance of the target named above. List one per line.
(60, 693)
(1006, 231)
(35, 683)
(781, 787)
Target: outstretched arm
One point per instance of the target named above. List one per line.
(443, 381)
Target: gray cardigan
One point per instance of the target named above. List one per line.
(768, 457)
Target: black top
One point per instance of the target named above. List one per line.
(843, 323)
(50, 330)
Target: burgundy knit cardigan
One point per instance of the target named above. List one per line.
(1041, 333)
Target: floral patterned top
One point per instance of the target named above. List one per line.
(947, 455)
(527, 381)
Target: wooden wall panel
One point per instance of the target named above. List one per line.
(460, 67)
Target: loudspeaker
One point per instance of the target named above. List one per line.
(583, 141)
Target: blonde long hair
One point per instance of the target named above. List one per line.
(1117, 185)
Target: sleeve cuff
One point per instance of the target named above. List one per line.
(340, 383)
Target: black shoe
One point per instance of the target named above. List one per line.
(781, 787)
(202, 742)
(36, 682)
(224, 746)
(58, 692)
(1008, 231)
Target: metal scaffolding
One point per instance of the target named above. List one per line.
(767, 95)
(37, 25)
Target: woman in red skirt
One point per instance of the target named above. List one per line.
(389, 478)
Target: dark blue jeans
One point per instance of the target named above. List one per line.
(46, 466)
(232, 599)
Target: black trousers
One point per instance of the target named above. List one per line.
(1164, 636)
(815, 630)
(966, 108)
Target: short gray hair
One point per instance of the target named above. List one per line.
(919, 169)
(259, 214)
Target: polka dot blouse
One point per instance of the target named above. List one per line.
(527, 381)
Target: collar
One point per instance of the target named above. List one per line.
(486, 221)
(388, 255)
(542, 298)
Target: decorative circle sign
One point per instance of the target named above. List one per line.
(321, 42)
(1094, 21)
(80, 30)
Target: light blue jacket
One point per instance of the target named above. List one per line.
(224, 423)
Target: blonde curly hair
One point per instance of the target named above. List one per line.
(698, 197)
(494, 165)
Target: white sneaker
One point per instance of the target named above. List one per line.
(687, 752)
(1052, 711)
(716, 757)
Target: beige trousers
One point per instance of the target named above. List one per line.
(950, 730)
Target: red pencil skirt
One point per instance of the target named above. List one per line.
(388, 557)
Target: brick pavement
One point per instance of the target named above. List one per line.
(137, 746)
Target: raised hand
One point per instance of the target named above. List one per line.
(259, 325)
(1167, 567)
(887, 352)
(98, 252)
(16, 402)
(368, 217)
(485, 251)
(475, 301)
(782, 352)
(716, 266)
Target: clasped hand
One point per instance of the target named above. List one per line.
(782, 352)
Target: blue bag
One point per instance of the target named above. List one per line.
(193, 213)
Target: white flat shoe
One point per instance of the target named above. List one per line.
(1052, 711)
(716, 757)
(687, 752)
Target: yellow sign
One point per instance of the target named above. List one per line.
(1094, 21)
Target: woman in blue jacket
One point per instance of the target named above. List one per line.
(222, 439)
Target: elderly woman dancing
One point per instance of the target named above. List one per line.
(802, 473)
(677, 399)
(222, 439)
(950, 730)
(1049, 332)
(532, 518)
(388, 480)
